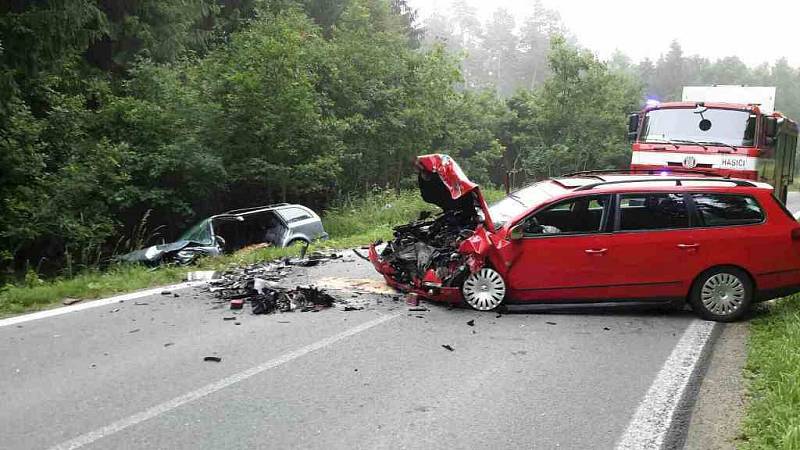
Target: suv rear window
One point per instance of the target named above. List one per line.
(724, 209)
(654, 211)
(291, 215)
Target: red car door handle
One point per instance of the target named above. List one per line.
(688, 246)
(596, 251)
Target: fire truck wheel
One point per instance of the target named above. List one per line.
(722, 294)
(484, 290)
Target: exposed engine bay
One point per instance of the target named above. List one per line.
(431, 245)
(428, 249)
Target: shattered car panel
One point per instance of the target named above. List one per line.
(201, 233)
(434, 257)
(275, 225)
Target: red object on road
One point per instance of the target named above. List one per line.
(718, 243)
(237, 304)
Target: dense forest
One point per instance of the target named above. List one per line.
(119, 112)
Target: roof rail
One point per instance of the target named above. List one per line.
(254, 208)
(641, 171)
(558, 181)
(677, 181)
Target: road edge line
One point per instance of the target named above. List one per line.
(94, 303)
(652, 422)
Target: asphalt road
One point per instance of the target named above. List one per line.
(520, 380)
(132, 375)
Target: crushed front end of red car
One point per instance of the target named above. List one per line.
(432, 257)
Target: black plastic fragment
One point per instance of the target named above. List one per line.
(448, 347)
(471, 323)
(212, 359)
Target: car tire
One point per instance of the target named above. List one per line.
(484, 290)
(722, 294)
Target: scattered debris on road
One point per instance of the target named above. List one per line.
(550, 323)
(471, 323)
(262, 285)
(237, 304)
(212, 359)
(448, 347)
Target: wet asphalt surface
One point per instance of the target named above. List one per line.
(543, 380)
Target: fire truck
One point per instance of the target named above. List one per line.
(730, 131)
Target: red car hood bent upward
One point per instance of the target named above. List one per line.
(440, 176)
(443, 183)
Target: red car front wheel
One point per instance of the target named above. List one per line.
(484, 290)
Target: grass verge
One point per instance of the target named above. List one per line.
(351, 223)
(772, 419)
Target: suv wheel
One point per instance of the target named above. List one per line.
(723, 294)
(484, 290)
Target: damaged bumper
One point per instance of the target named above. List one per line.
(432, 257)
(430, 287)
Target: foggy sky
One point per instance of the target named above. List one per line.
(756, 32)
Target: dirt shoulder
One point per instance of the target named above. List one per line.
(719, 408)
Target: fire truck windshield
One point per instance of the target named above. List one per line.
(729, 127)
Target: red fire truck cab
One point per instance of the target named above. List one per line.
(707, 132)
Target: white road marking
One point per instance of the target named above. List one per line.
(651, 422)
(206, 390)
(94, 304)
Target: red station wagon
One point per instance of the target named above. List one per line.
(594, 237)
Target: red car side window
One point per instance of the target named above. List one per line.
(652, 211)
(726, 209)
(574, 216)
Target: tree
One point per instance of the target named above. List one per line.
(575, 121)
(669, 77)
(499, 53)
(537, 30)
